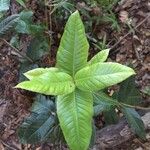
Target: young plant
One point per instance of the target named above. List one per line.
(74, 80)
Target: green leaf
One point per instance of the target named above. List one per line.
(25, 20)
(103, 102)
(15, 41)
(93, 137)
(75, 113)
(73, 50)
(22, 27)
(49, 83)
(134, 121)
(38, 47)
(43, 105)
(111, 116)
(27, 26)
(128, 93)
(39, 125)
(8, 23)
(39, 71)
(4, 5)
(36, 128)
(101, 75)
(38, 30)
(100, 57)
(21, 2)
(26, 15)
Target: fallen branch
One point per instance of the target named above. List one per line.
(6, 145)
(17, 51)
(115, 135)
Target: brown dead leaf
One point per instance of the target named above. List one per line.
(1, 146)
(123, 16)
(3, 105)
(7, 133)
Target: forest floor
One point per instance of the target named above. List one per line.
(134, 49)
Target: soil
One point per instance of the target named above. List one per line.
(134, 49)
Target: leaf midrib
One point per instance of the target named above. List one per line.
(98, 76)
(76, 117)
(73, 66)
(44, 123)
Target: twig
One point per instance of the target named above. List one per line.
(46, 13)
(16, 50)
(130, 32)
(9, 147)
(136, 52)
(48, 24)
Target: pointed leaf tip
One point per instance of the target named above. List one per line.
(76, 12)
(73, 50)
(100, 57)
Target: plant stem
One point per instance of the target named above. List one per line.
(16, 50)
(120, 104)
(136, 107)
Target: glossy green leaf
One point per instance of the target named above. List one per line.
(103, 102)
(100, 57)
(73, 50)
(75, 113)
(128, 93)
(101, 75)
(135, 121)
(49, 83)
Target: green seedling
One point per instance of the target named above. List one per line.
(73, 80)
